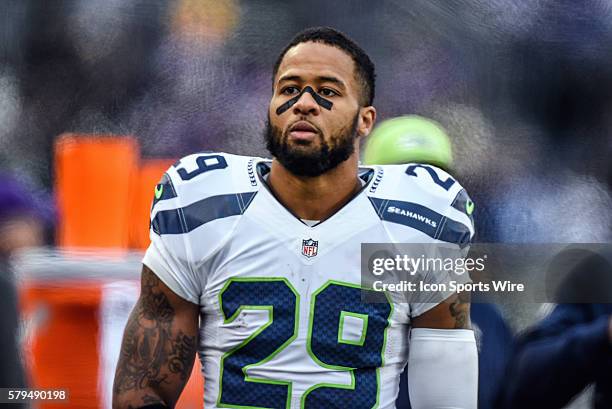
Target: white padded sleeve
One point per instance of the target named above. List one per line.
(443, 369)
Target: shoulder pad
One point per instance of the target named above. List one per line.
(200, 188)
(212, 173)
(425, 184)
(417, 194)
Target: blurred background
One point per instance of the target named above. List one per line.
(97, 97)
(523, 88)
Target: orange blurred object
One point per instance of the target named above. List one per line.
(93, 177)
(65, 346)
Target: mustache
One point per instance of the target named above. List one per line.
(287, 130)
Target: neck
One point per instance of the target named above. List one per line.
(315, 198)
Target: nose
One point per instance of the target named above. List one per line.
(306, 105)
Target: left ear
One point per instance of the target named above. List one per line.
(367, 117)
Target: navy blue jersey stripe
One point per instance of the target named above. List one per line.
(200, 212)
(454, 232)
(423, 219)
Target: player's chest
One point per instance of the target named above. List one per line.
(306, 259)
(289, 311)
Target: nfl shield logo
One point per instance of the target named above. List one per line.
(310, 248)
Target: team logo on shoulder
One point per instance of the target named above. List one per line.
(163, 190)
(469, 207)
(310, 248)
(159, 190)
(464, 204)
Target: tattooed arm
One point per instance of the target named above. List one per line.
(158, 348)
(453, 313)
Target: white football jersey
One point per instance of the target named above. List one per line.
(283, 324)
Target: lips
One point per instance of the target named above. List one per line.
(303, 133)
(303, 126)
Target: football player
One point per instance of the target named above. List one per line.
(416, 139)
(255, 263)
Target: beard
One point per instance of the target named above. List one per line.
(302, 160)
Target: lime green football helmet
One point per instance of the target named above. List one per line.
(409, 138)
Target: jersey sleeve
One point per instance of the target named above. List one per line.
(197, 204)
(169, 254)
(454, 235)
(427, 207)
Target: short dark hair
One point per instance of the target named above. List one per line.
(364, 67)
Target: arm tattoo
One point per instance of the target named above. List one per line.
(148, 400)
(460, 310)
(181, 356)
(150, 353)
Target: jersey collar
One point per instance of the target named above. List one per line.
(263, 168)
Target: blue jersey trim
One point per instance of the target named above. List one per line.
(188, 218)
(422, 218)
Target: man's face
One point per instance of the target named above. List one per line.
(308, 139)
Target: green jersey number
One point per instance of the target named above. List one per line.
(331, 306)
